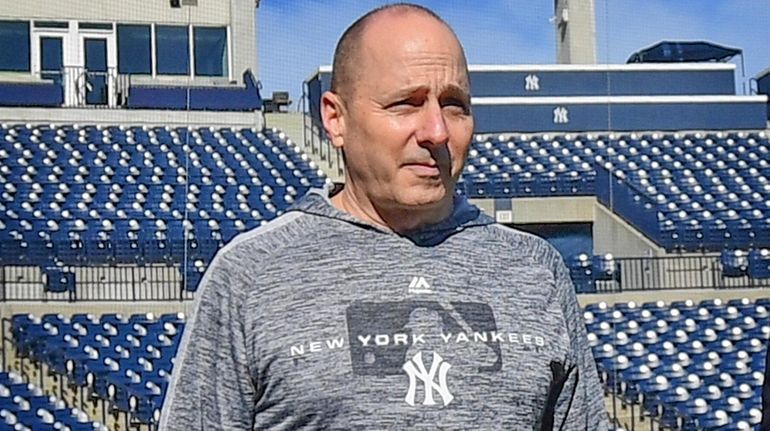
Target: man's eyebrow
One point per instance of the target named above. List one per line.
(450, 89)
(406, 91)
(456, 91)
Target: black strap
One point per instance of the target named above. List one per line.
(558, 380)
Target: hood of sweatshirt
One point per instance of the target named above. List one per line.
(464, 216)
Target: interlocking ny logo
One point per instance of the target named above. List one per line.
(560, 115)
(415, 369)
(531, 83)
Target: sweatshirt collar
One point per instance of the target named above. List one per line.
(464, 215)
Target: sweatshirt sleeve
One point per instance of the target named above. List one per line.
(766, 394)
(580, 405)
(211, 385)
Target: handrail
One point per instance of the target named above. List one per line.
(77, 82)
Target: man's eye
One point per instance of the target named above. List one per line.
(456, 103)
(406, 102)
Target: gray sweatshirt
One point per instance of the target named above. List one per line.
(319, 320)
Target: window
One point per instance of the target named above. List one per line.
(51, 24)
(95, 25)
(51, 54)
(14, 46)
(134, 49)
(172, 50)
(210, 51)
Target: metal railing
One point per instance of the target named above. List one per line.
(674, 272)
(83, 88)
(134, 283)
(316, 141)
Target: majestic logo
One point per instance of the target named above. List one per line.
(532, 83)
(560, 115)
(415, 369)
(419, 285)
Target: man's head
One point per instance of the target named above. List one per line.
(399, 109)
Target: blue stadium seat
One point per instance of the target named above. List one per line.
(124, 360)
(111, 184)
(58, 281)
(759, 264)
(688, 362)
(734, 263)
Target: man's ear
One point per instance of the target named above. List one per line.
(333, 116)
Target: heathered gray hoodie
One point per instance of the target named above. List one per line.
(319, 320)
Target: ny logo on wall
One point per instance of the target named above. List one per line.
(560, 115)
(415, 369)
(532, 83)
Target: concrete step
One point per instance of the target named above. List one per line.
(293, 124)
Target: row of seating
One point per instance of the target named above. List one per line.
(690, 365)
(24, 406)
(125, 361)
(74, 183)
(586, 271)
(706, 190)
(743, 263)
(123, 194)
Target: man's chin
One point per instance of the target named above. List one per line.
(425, 197)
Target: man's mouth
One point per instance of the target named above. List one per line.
(424, 169)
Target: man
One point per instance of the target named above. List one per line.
(393, 304)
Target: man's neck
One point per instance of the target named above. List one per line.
(400, 220)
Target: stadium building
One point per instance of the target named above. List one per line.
(134, 143)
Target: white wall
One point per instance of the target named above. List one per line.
(128, 11)
(613, 235)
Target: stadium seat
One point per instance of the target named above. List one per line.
(735, 263)
(759, 264)
(123, 360)
(705, 202)
(691, 365)
(114, 184)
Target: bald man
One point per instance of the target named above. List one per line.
(394, 304)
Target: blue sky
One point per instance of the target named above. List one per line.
(294, 37)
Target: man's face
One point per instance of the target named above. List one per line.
(408, 124)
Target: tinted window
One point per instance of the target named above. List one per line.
(14, 46)
(172, 50)
(134, 49)
(210, 51)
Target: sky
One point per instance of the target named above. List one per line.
(294, 37)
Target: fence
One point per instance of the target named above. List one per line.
(97, 283)
(315, 139)
(674, 272)
(83, 88)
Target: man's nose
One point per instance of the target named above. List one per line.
(433, 128)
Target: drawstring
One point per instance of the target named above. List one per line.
(560, 376)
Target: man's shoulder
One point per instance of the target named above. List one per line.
(264, 240)
(522, 243)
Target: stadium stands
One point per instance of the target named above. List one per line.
(689, 365)
(696, 191)
(124, 361)
(23, 406)
(90, 195)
